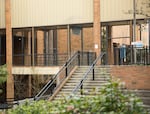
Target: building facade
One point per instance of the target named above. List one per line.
(37, 37)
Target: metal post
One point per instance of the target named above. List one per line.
(33, 35)
(149, 33)
(81, 87)
(88, 54)
(93, 73)
(0, 50)
(82, 45)
(22, 48)
(134, 20)
(69, 41)
(134, 27)
(146, 56)
(66, 69)
(79, 58)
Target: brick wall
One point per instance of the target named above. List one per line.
(88, 44)
(135, 77)
(62, 40)
(88, 41)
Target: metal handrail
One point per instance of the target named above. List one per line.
(44, 59)
(77, 59)
(51, 82)
(86, 74)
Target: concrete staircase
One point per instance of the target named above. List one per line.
(102, 75)
(145, 97)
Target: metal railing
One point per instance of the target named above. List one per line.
(40, 59)
(79, 58)
(91, 69)
(131, 55)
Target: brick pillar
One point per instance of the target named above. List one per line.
(10, 79)
(40, 42)
(40, 47)
(96, 26)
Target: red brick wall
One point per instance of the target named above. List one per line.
(88, 43)
(75, 42)
(62, 40)
(135, 77)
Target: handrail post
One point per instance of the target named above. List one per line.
(66, 69)
(88, 56)
(81, 88)
(78, 58)
(93, 73)
(146, 56)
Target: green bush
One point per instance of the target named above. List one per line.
(111, 100)
(3, 75)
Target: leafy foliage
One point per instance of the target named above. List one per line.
(111, 100)
(3, 74)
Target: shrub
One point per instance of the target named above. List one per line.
(3, 75)
(112, 99)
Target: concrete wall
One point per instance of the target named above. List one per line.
(135, 77)
(35, 70)
(50, 12)
(27, 13)
(2, 13)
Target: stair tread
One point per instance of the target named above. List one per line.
(102, 75)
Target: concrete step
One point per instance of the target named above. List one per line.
(87, 81)
(91, 79)
(102, 75)
(143, 93)
(91, 83)
(90, 74)
(84, 87)
(99, 67)
(146, 100)
(96, 68)
(147, 107)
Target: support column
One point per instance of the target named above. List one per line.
(97, 27)
(41, 47)
(68, 41)
(27, 58)
(10, 79)
(110, 47)
(33, 54)
(149, 33)
(131, 40)
(131, 32)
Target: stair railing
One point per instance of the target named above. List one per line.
(76, 60)
(63, 73)
(91, 69)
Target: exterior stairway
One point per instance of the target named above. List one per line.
(102, 75)
(145, 97)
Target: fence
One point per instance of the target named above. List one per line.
(131, 55)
